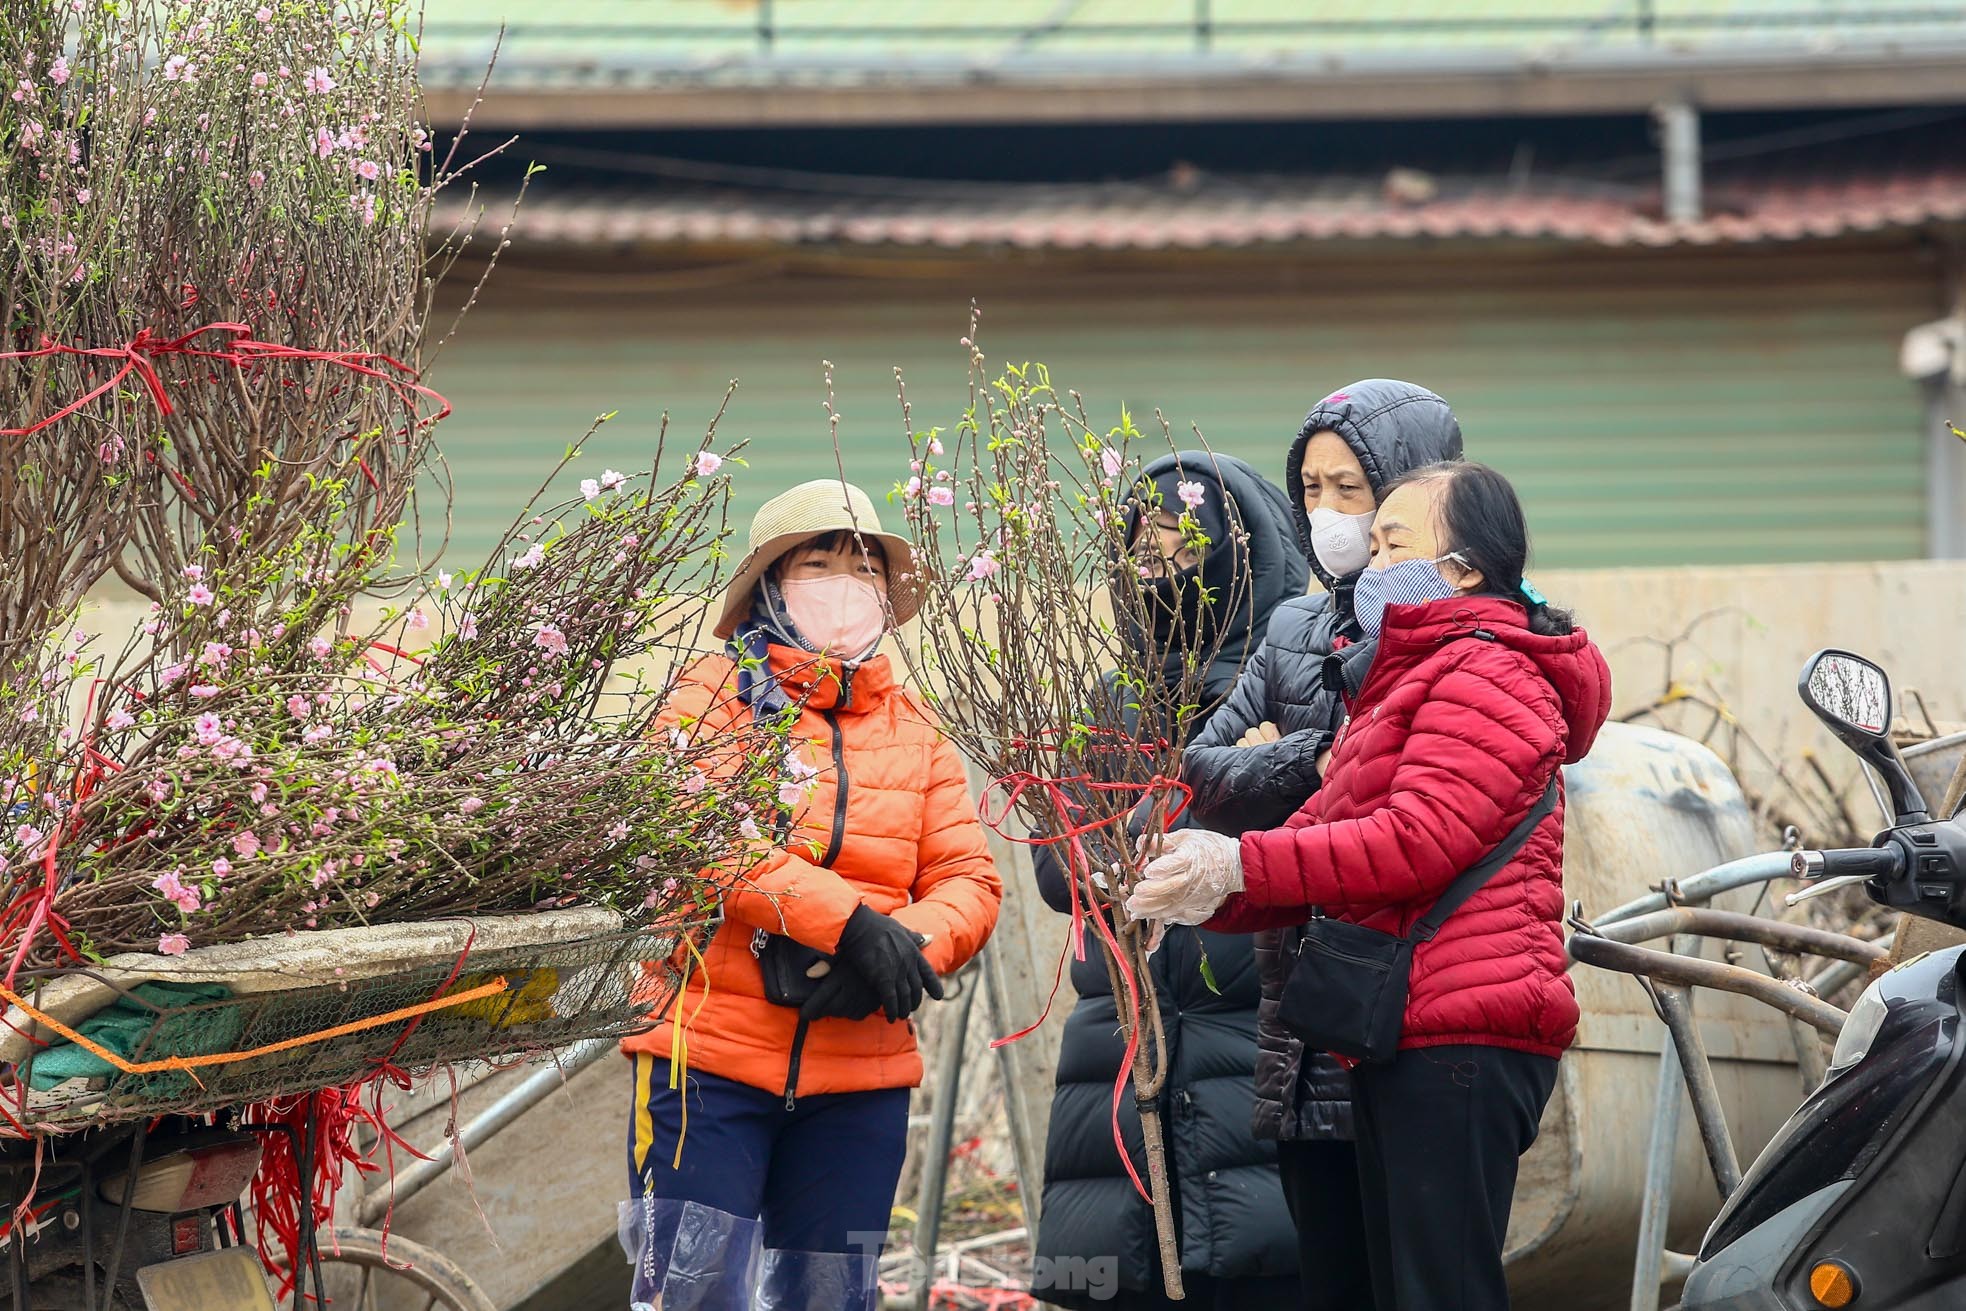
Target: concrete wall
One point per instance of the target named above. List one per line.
(1736, 639)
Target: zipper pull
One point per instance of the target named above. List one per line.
(758, 940)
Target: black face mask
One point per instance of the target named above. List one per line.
(1176, 620)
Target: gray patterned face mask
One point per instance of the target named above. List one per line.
(1410, 582)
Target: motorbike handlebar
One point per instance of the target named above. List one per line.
(1862, 862)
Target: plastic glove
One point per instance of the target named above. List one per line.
(889, 958)
(1196, 871)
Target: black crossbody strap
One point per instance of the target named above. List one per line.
(1479, 873)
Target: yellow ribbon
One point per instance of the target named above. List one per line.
(679, 1043)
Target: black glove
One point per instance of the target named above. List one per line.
(889, 959)
(841, 995)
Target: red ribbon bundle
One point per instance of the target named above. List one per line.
(282, 1181)
(1078, 865)
(241, 351)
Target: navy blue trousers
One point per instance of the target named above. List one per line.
(820, 1176)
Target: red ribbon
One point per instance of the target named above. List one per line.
(34, 908)
(1078, 865)
(241, 351)
(277, 1187)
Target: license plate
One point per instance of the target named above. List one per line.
(226, 1280)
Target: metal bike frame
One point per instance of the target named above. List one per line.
(1677, 910)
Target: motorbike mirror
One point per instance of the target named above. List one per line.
(1849, 693)
(1852, 696)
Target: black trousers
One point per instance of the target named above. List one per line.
(1440, 1133)
(1321, 1187)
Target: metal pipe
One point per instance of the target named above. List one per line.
(1842, 974)
(1706, 885)
(1811, 1065)
(1676, 1005)
(1656, 1207)
(1737, 927)
(941, 1131)
(1679, 141)
(115, 1270)
(509, 1107)
(1693, 971)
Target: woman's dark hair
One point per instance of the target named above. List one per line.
(826, 544)
(1481, 520)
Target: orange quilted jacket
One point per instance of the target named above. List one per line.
(894, 826)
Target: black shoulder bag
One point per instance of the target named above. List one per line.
(1346, 991)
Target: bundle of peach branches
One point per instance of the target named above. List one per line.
(216, 306)
(251, 763)
(1044, 648)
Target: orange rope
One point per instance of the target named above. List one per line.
(189, 1063)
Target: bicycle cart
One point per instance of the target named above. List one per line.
(145, 1092)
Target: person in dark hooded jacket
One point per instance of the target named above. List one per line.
(1261, 756)
(1096, 1242)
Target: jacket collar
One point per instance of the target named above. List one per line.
(1345, 669)
(823, 683)
(1411, 633)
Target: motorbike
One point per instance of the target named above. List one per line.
(1860, 1199)
(131, 1217)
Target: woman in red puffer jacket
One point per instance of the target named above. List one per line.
(1467, 697)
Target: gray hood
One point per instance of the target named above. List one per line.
(1393, 427)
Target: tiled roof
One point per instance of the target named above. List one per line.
(1194, 210)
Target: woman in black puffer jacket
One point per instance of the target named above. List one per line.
(1260, 758)
(1096, 1245)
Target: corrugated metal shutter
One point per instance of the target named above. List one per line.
(1664, 408)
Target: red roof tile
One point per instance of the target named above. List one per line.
(1744, 205)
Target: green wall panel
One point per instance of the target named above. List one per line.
(1655, 410)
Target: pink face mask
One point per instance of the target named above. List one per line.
(843, 614)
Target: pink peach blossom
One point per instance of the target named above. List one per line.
(177, 892)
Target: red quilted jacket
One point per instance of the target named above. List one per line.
(1452, 739)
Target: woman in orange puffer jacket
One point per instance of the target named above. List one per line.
(797, 1113)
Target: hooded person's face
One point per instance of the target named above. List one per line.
(1333, 478)
(1160, 548)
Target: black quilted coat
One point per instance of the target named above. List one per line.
(1233, 1226)
(1393, 427)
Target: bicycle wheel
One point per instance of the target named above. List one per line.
(411, 1278)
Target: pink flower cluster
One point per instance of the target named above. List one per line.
(175, 890)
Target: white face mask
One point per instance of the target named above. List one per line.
(1341, 542)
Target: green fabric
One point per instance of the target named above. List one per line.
(124, 1024)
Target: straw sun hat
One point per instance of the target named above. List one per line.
(808, 510)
